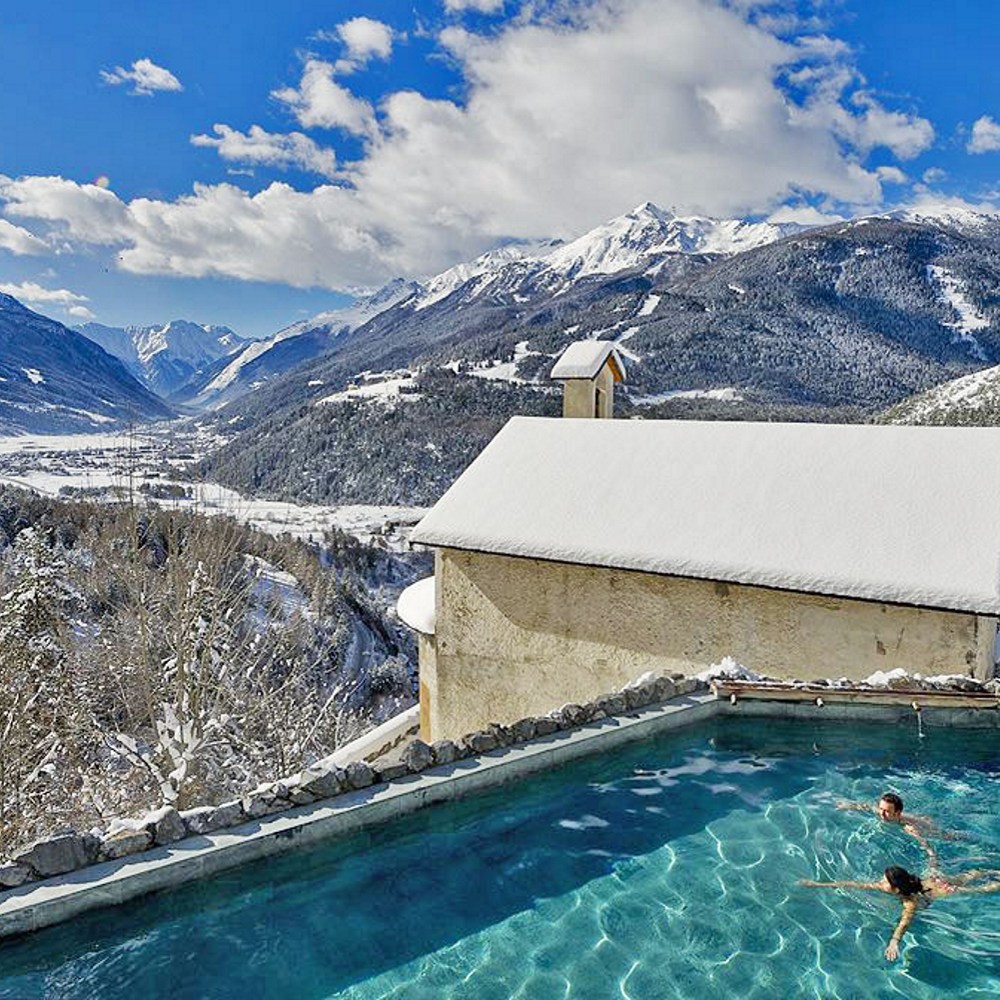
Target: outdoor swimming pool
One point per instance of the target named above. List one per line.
(668, 869)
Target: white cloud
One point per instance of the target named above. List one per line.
(934, 175)
(891, 175)
(145, 77)
(365, 38)
(20, 241)
(985, 136)
(905, 135)
(562, 123)
(265, 148)
(932, 204)
(35, 294)
(320, 102)
(805, 215)
(80, 312)
(485, 6)
(82, 212)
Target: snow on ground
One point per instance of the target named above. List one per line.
(34, 376)
(649, 305)
(111, 465)
(60, 442)
(725, 395)
(273, 584)
(385, 387)
(505, 371)
(969, 319)
(973, 391)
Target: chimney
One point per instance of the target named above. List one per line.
(588, 370)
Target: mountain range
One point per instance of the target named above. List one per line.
(714, 319)
(255, 362)
(165, 357)
(53, 380)
(729, 318)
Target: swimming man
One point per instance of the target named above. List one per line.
(889, 809)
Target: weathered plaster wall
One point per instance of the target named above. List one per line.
(579, 395)
(516, 636)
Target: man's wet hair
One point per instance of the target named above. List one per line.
(906, 883)
(893, 799)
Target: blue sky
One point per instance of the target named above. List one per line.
(251, 163)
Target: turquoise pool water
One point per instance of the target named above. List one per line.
(668, 869)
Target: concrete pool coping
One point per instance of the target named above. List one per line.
(54, 900)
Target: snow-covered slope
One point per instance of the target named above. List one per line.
(648, 231)
(53, 380)
(970, 400)
(628, 241)
(165, 357)
(261, 360)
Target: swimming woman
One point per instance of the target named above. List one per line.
(914, 891)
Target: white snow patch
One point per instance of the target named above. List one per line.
(974, 392)
(384, 387)
(271, 583)
(314, 381)
(737, 289)
(416, 606)
(649, 304)
(34, 376)
(728, 669)
(969, 319)
(725, 394)
(505, 371)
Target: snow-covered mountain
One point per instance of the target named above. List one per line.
(258, 361)
(648, 232)
(165, 357)
(643, 236)
(515, 272)
(53, 380)
(833, 322)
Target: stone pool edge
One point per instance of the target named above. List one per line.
(52, 901)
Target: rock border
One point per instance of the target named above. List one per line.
(68, 851)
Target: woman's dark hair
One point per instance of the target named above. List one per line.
(904, 882)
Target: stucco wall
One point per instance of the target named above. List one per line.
(579, 395)
(516, 637)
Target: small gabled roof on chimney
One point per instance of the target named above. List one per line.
(585, 358)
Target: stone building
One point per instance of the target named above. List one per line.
(575, 555)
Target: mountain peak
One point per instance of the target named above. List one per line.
(648, 210)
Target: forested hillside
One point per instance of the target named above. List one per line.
(834, 323)
(151, 657)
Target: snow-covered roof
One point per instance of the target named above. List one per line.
(415, 606)
(585, 358)
(899, 514)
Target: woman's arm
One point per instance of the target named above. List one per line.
(892, 948)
